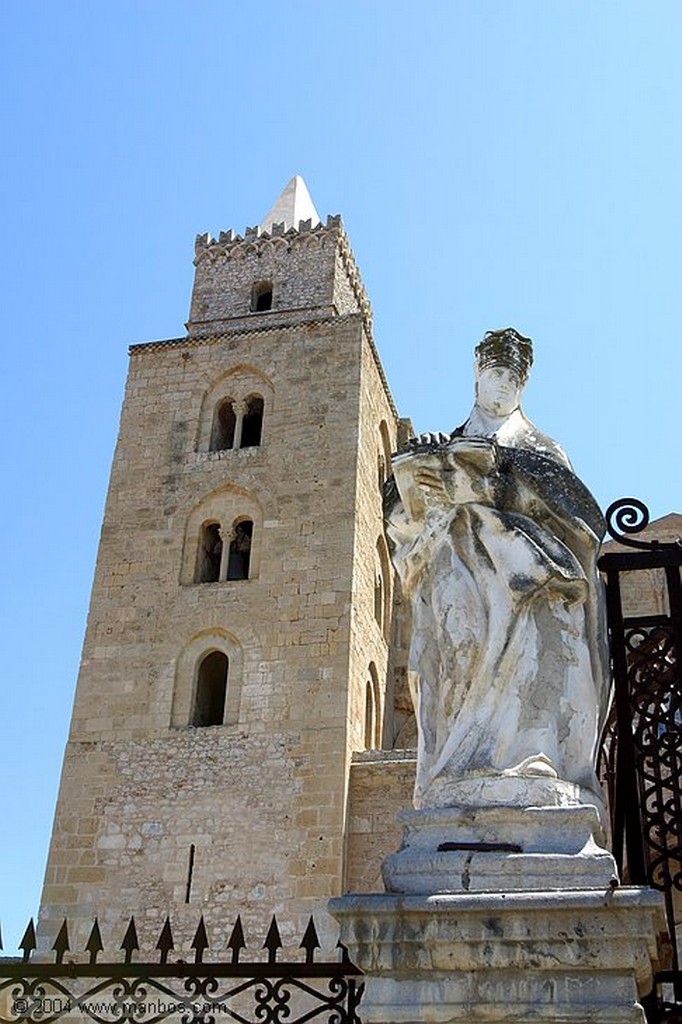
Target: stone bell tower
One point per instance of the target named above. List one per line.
(236, 647)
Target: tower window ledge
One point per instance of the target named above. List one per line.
(382, 756)
(227, 453)
(219, 584)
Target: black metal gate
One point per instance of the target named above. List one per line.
(131, 991)
(641, 753)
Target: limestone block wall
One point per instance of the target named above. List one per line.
(309, 269)
(381, 784)
(155, 815)
(643, 592)
(373, 577)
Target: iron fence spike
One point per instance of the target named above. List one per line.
(236, 941)
(61, 943)
(94, 944)
(130, 943)
(310, 941)
(28, 941)
(273, 941)
(165, 943)
(345, 959)
(200, 941)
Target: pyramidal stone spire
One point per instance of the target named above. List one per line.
(293, 205)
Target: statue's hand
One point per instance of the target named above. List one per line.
(428, 440)
(463, 441)
(430, 480)
(474, 451)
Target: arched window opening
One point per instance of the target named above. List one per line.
(252, 424)
(372, 736)
(239, 557)
(209, 704)
(261, 297)
(370, 716)
(224, 423)
(381, 471)
(379, 600)
(382, 592)
(210, 554)
(385, 443)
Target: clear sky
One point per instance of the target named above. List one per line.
(496, 162)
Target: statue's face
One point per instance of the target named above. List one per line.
(498, 390)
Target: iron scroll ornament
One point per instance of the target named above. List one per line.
(630, 515)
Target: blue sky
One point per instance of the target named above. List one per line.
(495, 161)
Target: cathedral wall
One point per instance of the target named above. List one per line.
(381, 784)
(373, 575)
(158, 816)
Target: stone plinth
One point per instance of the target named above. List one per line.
(499, 849)
(526, 956)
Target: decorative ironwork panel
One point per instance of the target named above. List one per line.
(128, 992)
(195, 999)
(641, 752)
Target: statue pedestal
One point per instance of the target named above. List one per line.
(500, 849)
(503, 911)
(552, 956)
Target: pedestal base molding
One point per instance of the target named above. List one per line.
(535, 957)
(500, 849)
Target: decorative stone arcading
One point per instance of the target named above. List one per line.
(231, 244)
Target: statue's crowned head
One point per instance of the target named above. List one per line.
(506, 348)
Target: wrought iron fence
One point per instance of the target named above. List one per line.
(641, 752)
(132, 991)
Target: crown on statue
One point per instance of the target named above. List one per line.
(506, 348)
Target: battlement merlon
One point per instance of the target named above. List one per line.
(309, 266)
(228, 238)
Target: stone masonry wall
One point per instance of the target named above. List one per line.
(381, 784)
(311, 269)
(369, 632)
(262, 800)
(643, 591)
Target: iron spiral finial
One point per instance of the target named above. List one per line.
(626, 516)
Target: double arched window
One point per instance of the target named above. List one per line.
(235, 410)
(237, 424)
(223, 537)
(224, 555)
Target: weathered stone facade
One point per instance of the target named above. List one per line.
(156, 814)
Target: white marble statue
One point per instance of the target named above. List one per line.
(495, 540)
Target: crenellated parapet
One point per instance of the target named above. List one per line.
(229, 242)
(310, 268)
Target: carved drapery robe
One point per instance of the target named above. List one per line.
(495, 540)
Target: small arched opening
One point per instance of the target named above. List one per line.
(239, 555)
(252, 423)
(210, 553)
(224, 423)
(211, 691)
(261, 297)
(372, 710)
